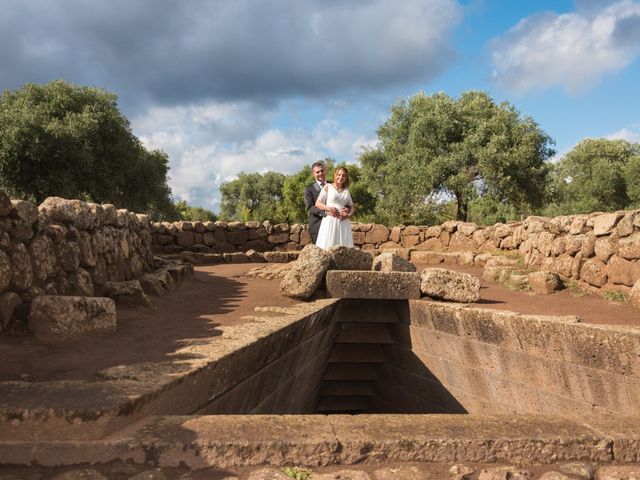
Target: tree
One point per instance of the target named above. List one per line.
(434, 148)
(597, 175)
(60, 139)
(253, 196)
(195, 214)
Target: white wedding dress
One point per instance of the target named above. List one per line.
(334, 231)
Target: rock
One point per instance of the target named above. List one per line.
(154, 474)
(461, 472)
(603, 224)
(82, 283)
(505, 473)
(58, 210)
(235, 257)
(268, 474)
(179, 270)
(373, 285)
(413, 472)
(5, 204)
(41, 250)
(594, 272)
(55, 318)
(6, 271)
(544, 282)
(277, 257)
(627, 472)
(577, 469)
(255, 257)
(390, 262)
(157, 282)
(629, 247)
(22, 271)
(8, 303)
(446, 284)
(69, 255)
(377, 234)
(81, 474)
(634, 295)
(345, 475)
(554, 476)
(349, 258)
(306, 274)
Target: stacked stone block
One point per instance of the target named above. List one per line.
(66, 247)
(601, 251)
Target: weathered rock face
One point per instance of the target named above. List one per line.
(390, 262)
(307, 273)
(544, 282)
(446, 284)
(55, 318)
(374, 285)
(349, 258)
(129, 292)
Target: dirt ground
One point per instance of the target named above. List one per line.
(220, 295)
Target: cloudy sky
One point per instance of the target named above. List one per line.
(225, 86)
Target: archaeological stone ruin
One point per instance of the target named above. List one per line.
(373, 361)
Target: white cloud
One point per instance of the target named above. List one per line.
(574, 50)
(630, 134)
(203, 152)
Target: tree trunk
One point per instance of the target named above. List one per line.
(462, 208)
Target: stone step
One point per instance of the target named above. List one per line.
(363, 333)
(343, 404)
(337, 388)
(351, 371)
(357, 353)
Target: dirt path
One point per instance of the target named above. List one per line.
(221, 295)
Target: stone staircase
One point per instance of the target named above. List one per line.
(349, 383)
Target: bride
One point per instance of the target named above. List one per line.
(335, 200)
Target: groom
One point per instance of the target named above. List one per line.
(311, 193)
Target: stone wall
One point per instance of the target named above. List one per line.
(66, 247)
(598, 250)
(495, 362)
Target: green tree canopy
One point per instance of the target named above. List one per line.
(597, 174)
(434, 147)
(279, 198)
(60, 139)
(187, 212)
(253, 196)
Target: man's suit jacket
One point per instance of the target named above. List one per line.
(311, 193)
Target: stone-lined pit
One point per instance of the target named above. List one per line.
(414, 357)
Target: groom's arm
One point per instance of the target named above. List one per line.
(311, 204)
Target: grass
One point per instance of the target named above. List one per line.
(575, 289)
(617, 297)
(297, 473)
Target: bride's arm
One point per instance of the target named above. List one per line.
(321, 202)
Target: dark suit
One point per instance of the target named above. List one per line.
(311, 193)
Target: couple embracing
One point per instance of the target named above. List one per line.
(329, 206)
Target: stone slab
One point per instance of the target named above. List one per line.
(373, 285)
(228, 441)
(58, 318)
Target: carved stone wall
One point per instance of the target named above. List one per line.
(66, 247)
(598, 250)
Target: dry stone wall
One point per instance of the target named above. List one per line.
(598, 250)
(66, 247)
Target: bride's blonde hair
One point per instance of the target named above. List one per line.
(348, 179)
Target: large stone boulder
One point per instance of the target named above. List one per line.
(634, 296)
(307, 273)
(55, 318)
(390, 262)
(373, 285)
(349, 258)
(445, 284)
(126, 293)
(544, 282)
(157, 282)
